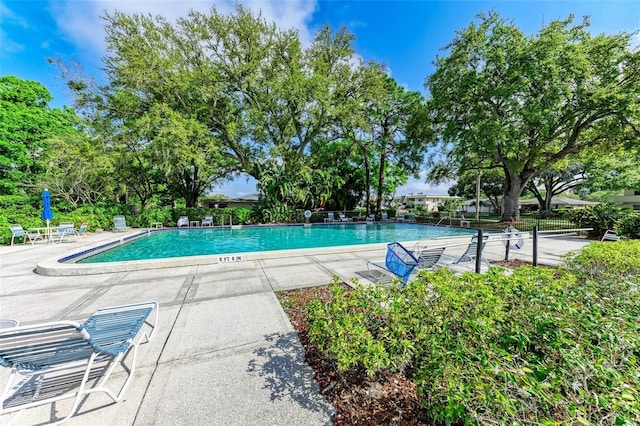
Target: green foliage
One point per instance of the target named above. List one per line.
(629, 226)
(542, 346)
(525, 102)
(27, 124)
(237, 216)
(273, 212)
(607, 261)
(599, 217)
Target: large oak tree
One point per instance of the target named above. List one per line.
(527, 102)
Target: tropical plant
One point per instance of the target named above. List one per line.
(599, 217)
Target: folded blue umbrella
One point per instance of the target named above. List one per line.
(47, 214)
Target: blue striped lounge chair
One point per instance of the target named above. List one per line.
(18, 231)
(331, 218)
(60, 360)
(120, 224)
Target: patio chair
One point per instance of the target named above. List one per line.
(183, 221)
(18, 231)
(82, 231)
(65, 229)
(371, 218)
(59, 360)
(399, 261)
(120, 224)
(344, 218)
(610, 235)
(400, 218)
(412, 218)
(470, 252)
(207, 221)
(385, 217)
(428, 258)
(330, 218)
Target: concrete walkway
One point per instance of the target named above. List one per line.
(224, 352)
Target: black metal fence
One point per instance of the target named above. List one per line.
(526, 222)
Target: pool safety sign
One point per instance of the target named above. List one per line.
(230, 258)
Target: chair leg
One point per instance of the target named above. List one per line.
(80, 393)
(120, 359)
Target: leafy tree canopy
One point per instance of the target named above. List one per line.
(27, 124)
(527, 102)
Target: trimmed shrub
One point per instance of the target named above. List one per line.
(629, 226)
(606, 261)
(599, 217)
(543, 346)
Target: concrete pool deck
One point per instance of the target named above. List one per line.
(224, 352)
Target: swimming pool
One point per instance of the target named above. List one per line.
(170, 243)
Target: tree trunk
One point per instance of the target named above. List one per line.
(367, 182)
(380, 182)
(511, 199)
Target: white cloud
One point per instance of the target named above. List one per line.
(236, 188)
(415, 186)
(83, 25)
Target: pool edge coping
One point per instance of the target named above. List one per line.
(54, 266)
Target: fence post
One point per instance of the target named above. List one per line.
(535, 245)
(479, 251)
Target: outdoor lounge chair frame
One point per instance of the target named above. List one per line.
(331, 218)
(610, 235)
(18, 231)
(428, 258)
(182, 221)
(58, 360)
(399, 261)
(120, 224)
(470, 253)
(65, 229)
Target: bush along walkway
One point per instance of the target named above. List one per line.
(536, 345)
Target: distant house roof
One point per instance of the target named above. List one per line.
(248, 197)
(483, 202)
(560, 201)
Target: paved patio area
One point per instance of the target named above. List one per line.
(224, 352)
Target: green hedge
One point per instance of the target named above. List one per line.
(538, 346)
(27, 210)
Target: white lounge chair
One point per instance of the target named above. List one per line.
(371, 218)
(344, 218)
(330, 218)
(385, 217)
(429, 258)
(62, 231)
(82, 231)
(207, 221)
(470, 254)
(412, 218)
(610, 235)
(120, 224)
(183, 221)
(18, 231)
(400, 218)
(59, 360)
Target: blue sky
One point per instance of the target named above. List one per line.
(405, 35)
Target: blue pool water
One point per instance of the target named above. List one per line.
(196, 242)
